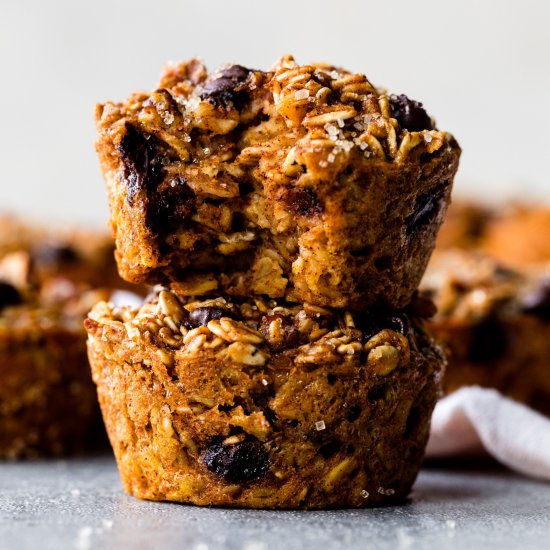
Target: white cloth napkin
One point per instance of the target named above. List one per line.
(474, 419)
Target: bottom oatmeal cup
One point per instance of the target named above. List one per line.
(263, 404)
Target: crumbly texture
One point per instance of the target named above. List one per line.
(305, 183)
(263, 404)
(494, 324)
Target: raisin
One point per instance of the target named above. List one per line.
(203, 315)
(489, 342)
(304, 201)
(142, 166)
(426, 210)
(410, 114)
(172, 207)
(228, 87)
(239, 463)
(9, 295)
(290, 334)
(51, 254)
(537, 301)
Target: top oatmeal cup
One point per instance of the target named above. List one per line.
(304, 182)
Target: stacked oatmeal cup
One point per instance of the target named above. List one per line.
(286, 219)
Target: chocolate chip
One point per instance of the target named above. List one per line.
(410, 114)
(228, 87)
(51, 254)
(239, 463)
(414, 420)
(383, 263)
(304, 201)
(9, 295)
(426, 210)
(354, 412)
(399, 322)
(329, 449)
(203, 315)
(537, 301)
(171, 207)
(489, 342)
(142, 165)
(373, 323)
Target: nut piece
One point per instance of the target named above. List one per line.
(383, 359)
(386, 350)
(234, 331)
(246, 354)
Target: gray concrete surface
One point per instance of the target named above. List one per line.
(79, 504)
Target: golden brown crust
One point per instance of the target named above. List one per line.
(263, 404)
(494, 324)
(304, 182)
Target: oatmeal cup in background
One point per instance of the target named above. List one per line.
(49, 280)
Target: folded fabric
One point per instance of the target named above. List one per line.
(474, 419)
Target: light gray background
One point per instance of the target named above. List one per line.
(481, 67)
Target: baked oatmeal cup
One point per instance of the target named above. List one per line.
(494, 324)
(48, 402)
(305, 183)
(262, 403)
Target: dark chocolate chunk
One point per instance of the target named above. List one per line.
(304, 201)
(371, 324)
(203, 315)
(414, 420)
(410, 114)
(9, 295)
(537, 301)
(172, 207)
(489, 342)
(354, 412)
(142, 165)
(383, 263)
(239, 463)
(330, 448)
(228, 87)
(426, 210)
(51, 254)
